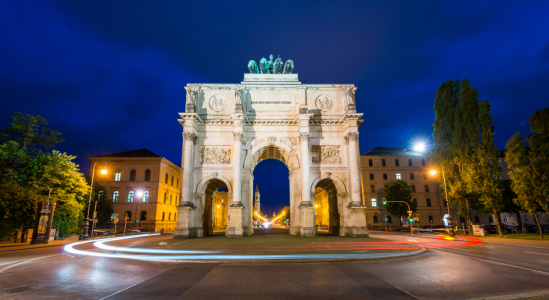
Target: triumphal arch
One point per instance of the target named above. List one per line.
(229, 128)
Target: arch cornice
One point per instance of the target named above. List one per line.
(340, 185)
(292, 162)
(201, 186)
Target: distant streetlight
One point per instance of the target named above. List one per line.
(450, 225)
(419, 147)
(87, 224)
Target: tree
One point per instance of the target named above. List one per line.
(105, 207)
(464, 146)
(539, 156)
(508, 203)
(68, 189)
(399, 191)
(17, 208)
(522, 175)
(29, 132)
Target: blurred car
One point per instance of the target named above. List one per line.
(510, 229)
(531, 228)
(490, 229)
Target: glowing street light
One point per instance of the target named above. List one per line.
(87, 224)
(433, 172)
(104, 171)
(450, 225)
(419, 147)
(139, 193)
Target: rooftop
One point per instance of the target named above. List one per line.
(133, 153)
(380, 151)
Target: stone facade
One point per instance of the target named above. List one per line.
(141, 171)
(229, 128)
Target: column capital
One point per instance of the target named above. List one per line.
(351, 136)
(189, 136)
(238, 136)
(303, 136)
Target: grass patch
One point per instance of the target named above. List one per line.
(521, 236)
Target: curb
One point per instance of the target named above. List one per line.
(285, 261)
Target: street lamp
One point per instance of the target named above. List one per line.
(87, 224)
(450, 225)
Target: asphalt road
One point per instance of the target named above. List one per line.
(467, 272)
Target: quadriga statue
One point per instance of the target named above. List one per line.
(277, 66)
(264, 66)
(252, 66)
(289, 66)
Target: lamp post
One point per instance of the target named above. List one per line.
(450, 225)
(138, 194)
(87, 224)
(409, 213)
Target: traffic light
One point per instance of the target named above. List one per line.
(411, 220)
(384, 202)
(137, 220)
(386, 220)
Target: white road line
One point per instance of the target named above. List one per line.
(24, 262)
(501, 264)
(10, 262)
(122, 290)
(537, 253)
(547, 261)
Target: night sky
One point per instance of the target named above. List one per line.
(110, 74)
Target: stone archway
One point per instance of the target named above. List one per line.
(335, 203)
(205, 211)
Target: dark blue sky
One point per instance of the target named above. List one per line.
(110, 74)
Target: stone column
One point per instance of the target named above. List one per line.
(235, 228)
(185, 218)
(357, 223)
(307, 226)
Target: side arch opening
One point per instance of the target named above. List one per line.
(326, 206)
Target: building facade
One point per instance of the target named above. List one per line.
(143, 186)
(220, 209)
(321, 207)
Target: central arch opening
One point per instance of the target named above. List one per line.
(271, 190)
(328, 219)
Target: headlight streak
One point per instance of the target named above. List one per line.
(353, 246)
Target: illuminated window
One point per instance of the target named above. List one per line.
(132, 175)
(409, 162)
(398, 176)
(370, 163)
(115, 196)
(426, 188)
(413, 188)
(117, 176)
(145, 197)
(383, 164)
(99, 195)
(148, 175)
(164, 198)
(372, 188)
(384, 176)
(130, 197)
(397, 163)
(371, 176)
(411, 176)
(374, 202)
(428, 202)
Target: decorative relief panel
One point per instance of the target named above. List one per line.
(326, 155)
(216, 155)
(324, 102)
(217, 102)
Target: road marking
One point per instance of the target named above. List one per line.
(24, 262)
(547, 261)
(123, 290)
(10, 262)
(537, 253)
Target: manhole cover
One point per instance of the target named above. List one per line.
(19, 290)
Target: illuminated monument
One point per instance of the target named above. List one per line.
(229, 128)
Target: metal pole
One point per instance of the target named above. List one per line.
(450, 225)
(87, 224)
(125, 222)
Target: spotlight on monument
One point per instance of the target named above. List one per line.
(419, 147)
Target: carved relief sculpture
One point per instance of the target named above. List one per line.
(304, 136)
(216, 155)
(217, 102)
(326, 155)
(351, 136)
(324, 102)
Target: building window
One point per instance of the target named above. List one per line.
(375, 219)
(386, 185)
(383, 164)
(163, 215)
(130, 197)
(490, 219)
(99, 195)
(146, 196)
(504, 219)
(176, 201)
(411, 176)
(372, 188)
(166, 178)
(445, 203)
(477, 219)
(177, 182)
(129, 215)
(132, 175)
(143, 216)
(397, 163)
(165, 198)
(175, 216)
(428, 202)
(169, 216)
(371, 176)
(370, 163)
(525, 218)
(423, 162)
(426, 188)
(117, 176)
(398, 176)
(148, 175)
(413, 188)
(424, 176)
(409, 162)
(172, 180)
(384, 176)
(374, 202)
(171, 199)
(431, 219)
(115, 196)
